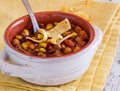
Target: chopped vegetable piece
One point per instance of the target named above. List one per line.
(67, 50)
(18, 37)
(16, 42)
(40, 36)
(24, 45)
(43, 44)
(49, 26)
(26, 32)
(42, 50)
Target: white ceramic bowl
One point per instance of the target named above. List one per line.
(47, 71)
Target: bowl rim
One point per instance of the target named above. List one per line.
(89, 44)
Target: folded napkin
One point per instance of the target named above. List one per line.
(93, 79)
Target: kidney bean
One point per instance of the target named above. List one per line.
(72, 26)
(41, 54)
(77, 39)
(69, 43)
(51, 50)
(83, 35)
(57, 46)
(49, 46)
(78, 29)
(82, 43)
(23, 39)
(57, 53)
(72, 30)
(34, 52)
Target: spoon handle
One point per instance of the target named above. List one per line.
(32, 16)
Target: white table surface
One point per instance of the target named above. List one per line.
(113, 80)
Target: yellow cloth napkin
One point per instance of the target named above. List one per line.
(93, 79)
(103, 59)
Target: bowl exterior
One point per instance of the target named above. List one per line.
(55, 71)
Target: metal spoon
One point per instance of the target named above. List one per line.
(52, 31)
(34, 21)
